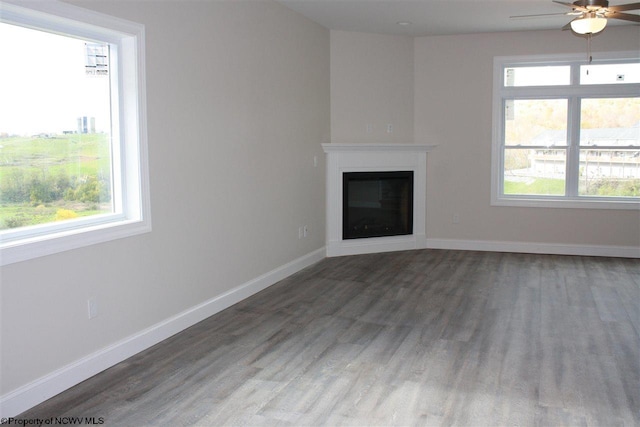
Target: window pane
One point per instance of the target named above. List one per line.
(55, 142)
(534, 171)
(540, 122)
(610, 122)
(609, 74)
(537, 76)
(609, 173)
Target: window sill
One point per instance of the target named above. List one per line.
(34, 247)
(553, 202)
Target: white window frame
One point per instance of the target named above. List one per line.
(572, 92)
(132, 213)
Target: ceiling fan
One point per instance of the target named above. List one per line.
(591, 15)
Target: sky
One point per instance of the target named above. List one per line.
(44, 87)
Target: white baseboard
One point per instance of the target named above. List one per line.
(535, 248)
(29, 395)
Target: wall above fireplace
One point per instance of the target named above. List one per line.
(345, 158)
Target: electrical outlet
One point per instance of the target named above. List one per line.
(305, 231)
(455, 218)
(92, 304)
(389, 128)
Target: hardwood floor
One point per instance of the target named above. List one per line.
(426, 337)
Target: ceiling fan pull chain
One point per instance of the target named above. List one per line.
(589, 57)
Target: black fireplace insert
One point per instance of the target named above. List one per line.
(377, 204)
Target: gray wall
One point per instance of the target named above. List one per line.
(371, 84)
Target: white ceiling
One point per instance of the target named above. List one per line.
(435, 17)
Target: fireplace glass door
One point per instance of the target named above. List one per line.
(377, 204)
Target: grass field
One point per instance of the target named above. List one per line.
(44, 178)
(76, 154)
(538, 186)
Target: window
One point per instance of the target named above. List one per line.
(73, 162)
(567, 133)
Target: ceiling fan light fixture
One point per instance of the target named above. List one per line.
(589, 24)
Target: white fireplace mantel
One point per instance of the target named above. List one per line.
(375, 158)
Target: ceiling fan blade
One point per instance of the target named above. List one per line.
(572, 6)
(539, 15)
(564, 3)
(624, 16)
(630, 6)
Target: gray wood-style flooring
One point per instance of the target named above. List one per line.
(427, 337)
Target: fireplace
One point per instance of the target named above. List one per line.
(377, 204)
(375, 220)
